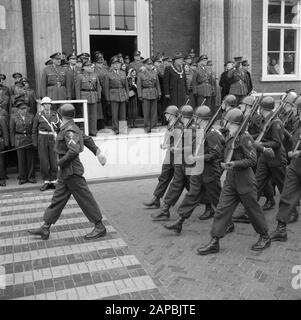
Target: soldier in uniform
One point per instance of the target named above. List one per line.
(68, 145)
(21, 137)
(209, 178)
(174, 82)
(29, 96)
(148, 89)
(116, 92)
(189, 77)
(4, 142)
(4, 93)
(167, 171)
(72, 72)
(291, 193)
(88, 88)
(17, 76)
(248, 79)
(237, 79)
(201, 82)
(45, 125)
(224, 82)
(84, 57)
(53, 82)
(213, 85)
(239, 186)
(137, 63)
(181, 149)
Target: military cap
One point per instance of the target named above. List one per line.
(209, 63)
(141, 58)
(156, 59)
(17, 74)
(2, 76)
(188, 57)
(237, 59)
(57, 55)
(165, 58)
(19, 84)
(20, 101)
(24, 80)
(178, 55)
(84, 55)
(71, 56)
(87, 63)
(114, 59)
(148, 61)
(202, 57)
(48, 62)
(245, 63)
(137, 53)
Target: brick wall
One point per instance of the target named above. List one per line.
(279, 86)
(176, 25)
(66, 27)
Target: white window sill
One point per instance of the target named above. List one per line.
(280, 78)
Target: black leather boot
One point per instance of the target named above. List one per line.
(43, 231)
(211, 247)
(263, 242)
(154, 203)
(294, 217)
(175, 226)
(269, 204)
(98, 232)
(45, 187)
(208, 214)
(163, 215)
(243, 218)
(280, 233)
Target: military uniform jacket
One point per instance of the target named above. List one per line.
(237, 80)
(273, 138)
(116, 87)
(255, 126)
(242, 177)
(4, 114)
(71, 77)
(4, 97)
(148, 85)
(21, 130)
(296, 163)
(248, 82)
(40, 124)
(224, 83)
(53, 83)
(101, 71)
(68, 145)
(4, 136)
(30, 100)
(201, 82)
(87, 87)
(136, 65)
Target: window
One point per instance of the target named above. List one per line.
(282, 39)
(113, 15)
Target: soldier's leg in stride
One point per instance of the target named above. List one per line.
(262, 176)
(278, 176)
(165, 178)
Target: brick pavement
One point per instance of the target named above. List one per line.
(235, 273)
(66, 266)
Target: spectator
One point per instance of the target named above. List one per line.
(132, 104)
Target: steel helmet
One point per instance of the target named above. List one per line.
(290, 97)
(46, 100)
(234, 116)
(173, 110)
(231, 100)
(186, 111)
(298, 102)
(268, 103)
(249, 100)
(203, 112)
(67, 111)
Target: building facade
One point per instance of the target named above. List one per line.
(267, 33)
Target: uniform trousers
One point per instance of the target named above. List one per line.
(92, 118)
(118, 110)
(165, 178)
(2, 167)
(196, 189)
(47, 156)
(77, 186)
(264, 173)
(25, 163)
(229, 200)
(290, 195)
(179, 182)
(150, 113)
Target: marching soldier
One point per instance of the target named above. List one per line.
(69, 144)
(4, 93)
(88, 88)
(237, 79)
(116, 92)
(202, 82)
(181, 150)
(239, 186)
(53, 82)
(45, 125)
(21, 137)
(209, 178)
(167, 171)
(291, 191)
(148, 88)
(4, 142)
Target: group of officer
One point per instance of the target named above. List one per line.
(255, 142)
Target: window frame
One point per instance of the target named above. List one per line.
(282, 26)
(113, 30)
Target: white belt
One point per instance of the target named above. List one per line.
(45, 133)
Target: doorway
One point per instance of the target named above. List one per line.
(112, 45)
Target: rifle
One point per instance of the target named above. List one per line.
(287, 118)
